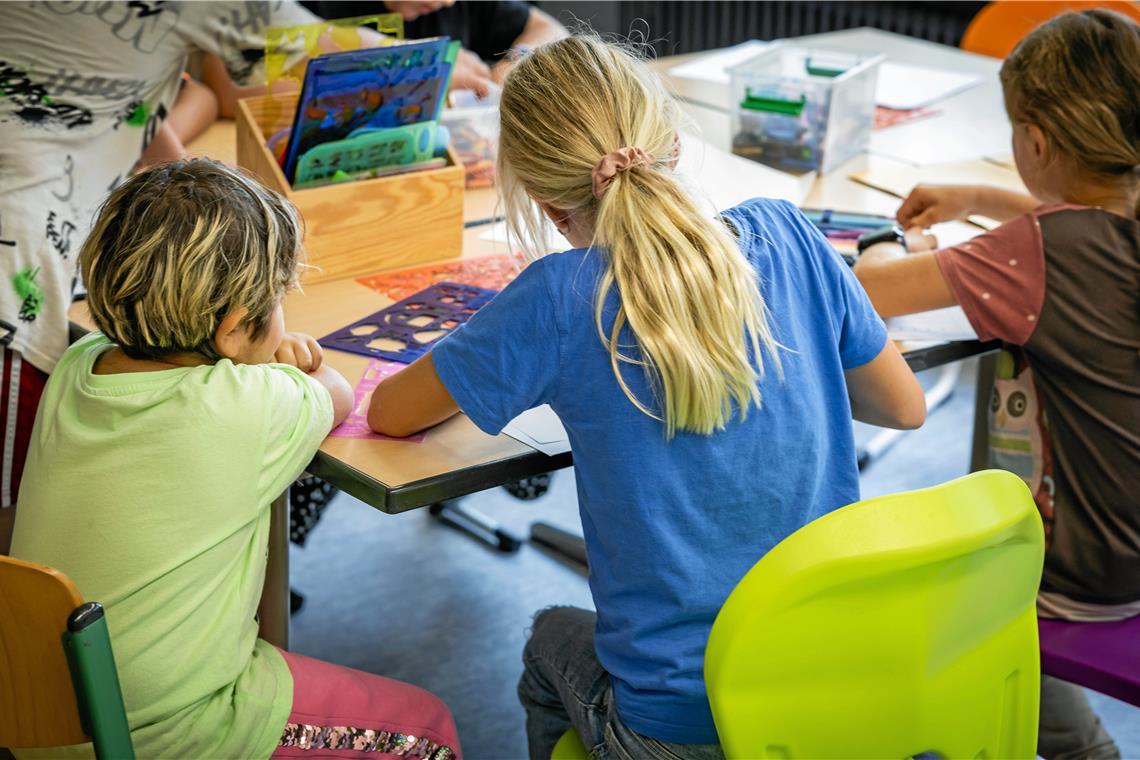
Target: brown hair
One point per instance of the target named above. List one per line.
(176, 248)
(1077, 77)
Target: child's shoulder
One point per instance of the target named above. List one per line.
(1072, 231)
(1090, 220)
(759, 214)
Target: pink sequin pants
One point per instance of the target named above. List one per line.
(343, 713)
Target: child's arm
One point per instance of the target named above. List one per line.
(303, 352)
(540, 28)
(930, 204)
(885, 392)
(164, 146)
(195, 109)
(410, 400)
(898, 283)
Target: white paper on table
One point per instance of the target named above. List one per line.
(718, 180)
(713, 65)
(540, 429)
(938, 325)
(469, 98)
(904, 86)
(497, 233)
(722, 180)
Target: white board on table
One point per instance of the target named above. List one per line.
(938, 325)
(904, 86)
(540, 429)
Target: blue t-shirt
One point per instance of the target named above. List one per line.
(672, 526)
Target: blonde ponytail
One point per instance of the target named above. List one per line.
(685, 289)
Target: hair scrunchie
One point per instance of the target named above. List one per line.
(615, 161)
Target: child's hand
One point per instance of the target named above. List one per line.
(470, 73)
(918, 241)
(930, 204)
(300, 350)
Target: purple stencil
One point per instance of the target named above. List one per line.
(407, 329)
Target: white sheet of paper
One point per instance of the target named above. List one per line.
(937, 325)
(497, 233)
(722, 180)
(905, 86)
(713, 65)
(540, 429)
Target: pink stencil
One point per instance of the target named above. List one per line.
(492, 272)
(356, 426)
(889, 117)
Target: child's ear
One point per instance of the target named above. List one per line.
(230, 338)
(1038, 140)
(560, 217)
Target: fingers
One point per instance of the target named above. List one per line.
(919, 203)
(917, 240)
(317, 354)
(300, 351)
(471, 74)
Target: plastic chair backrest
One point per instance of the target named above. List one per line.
(999, 26)
(892, 627)
(570, 747)
(60, 685)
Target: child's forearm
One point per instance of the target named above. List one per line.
(339, 390)
(1001, 204)
(195, 109)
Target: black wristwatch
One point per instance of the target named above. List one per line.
(892, 234)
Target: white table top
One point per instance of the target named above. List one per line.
(970, 124)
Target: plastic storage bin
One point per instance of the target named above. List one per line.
(803, 109)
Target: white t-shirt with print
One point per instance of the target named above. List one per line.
(84, 86)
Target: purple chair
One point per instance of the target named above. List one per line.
(1101, 656)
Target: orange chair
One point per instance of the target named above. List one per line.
(998, 27)
(58, 684)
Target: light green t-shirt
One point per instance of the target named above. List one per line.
(151, 490)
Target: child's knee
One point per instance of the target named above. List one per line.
(554, 626)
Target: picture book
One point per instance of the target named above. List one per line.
(355, 92)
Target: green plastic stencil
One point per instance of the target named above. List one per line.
(375, 149)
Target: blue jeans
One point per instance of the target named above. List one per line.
(563, 685)
(1069, 729)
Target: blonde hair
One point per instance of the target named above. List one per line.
(1078, 78)
(685, 289)
(176, 248)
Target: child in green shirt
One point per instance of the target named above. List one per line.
(159, 444)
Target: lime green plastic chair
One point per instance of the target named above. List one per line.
(895, 627)
(570, 747)
(899, 626)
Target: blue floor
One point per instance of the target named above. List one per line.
(407, 598)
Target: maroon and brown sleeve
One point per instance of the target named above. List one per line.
(999, 279)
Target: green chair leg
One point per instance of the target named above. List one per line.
(92, 665)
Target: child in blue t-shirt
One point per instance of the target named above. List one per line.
(706, 369)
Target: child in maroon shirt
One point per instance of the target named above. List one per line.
(1059, 284)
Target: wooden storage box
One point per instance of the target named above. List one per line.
(357, 228)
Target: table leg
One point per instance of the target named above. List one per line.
(273, 611)
(980, 449)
